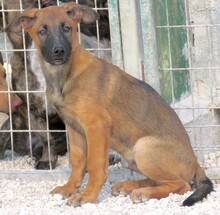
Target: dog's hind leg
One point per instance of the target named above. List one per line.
(168, 163)
(126, 187)
(168, 170)
(141, 190)
(162, 190)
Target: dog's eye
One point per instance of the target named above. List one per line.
(42, 32)
(66, 29)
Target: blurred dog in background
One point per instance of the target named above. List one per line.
(32, 114)
(5, 101)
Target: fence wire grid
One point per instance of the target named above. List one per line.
(188, 63)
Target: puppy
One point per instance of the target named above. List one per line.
(104, 107)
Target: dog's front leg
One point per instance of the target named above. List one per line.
(38, 123)
(97, 130)
(77, 156)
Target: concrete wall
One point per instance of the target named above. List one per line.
(205, 75)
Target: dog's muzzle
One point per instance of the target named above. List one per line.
(59, 56)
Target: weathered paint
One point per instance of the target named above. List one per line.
(149, 44)
(114, 19)
(129, 33)
(172, 42)
(134, 46)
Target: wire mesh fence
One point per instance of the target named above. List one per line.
(188, 49)
(33, 135)
(194, 64)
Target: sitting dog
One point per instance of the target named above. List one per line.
(91, 96)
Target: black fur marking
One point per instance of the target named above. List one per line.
(56, 49)
(201, 192)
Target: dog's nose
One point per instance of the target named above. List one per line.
(58, 51)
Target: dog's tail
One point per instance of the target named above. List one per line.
(203, 186)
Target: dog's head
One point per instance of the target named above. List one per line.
(54, 29)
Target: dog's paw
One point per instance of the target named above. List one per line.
(65, 191)
(141, 195)
(124, 188)
(79, 199)
(44, 163)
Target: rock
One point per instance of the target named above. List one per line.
(57, 197)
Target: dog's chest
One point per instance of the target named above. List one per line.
(58, 101)
(57, 83)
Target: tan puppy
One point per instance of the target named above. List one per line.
(4, 97)
(103, 107)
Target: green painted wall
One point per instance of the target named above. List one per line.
(169, 13)
(169, 42)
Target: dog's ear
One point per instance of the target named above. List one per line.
(81, 13)
(26, 20)
(14, 26)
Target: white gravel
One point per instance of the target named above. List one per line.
(31, 197)
(26, 162)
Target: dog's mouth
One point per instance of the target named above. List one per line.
(57, 61)
(56, 54)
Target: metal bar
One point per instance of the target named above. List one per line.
(129, 35)
(149, 44)
(115, 28)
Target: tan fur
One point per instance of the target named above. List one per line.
(104, 107)
(4, 96)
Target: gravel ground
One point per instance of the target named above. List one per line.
(26, 162)
(22, 197)
(30, 195)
